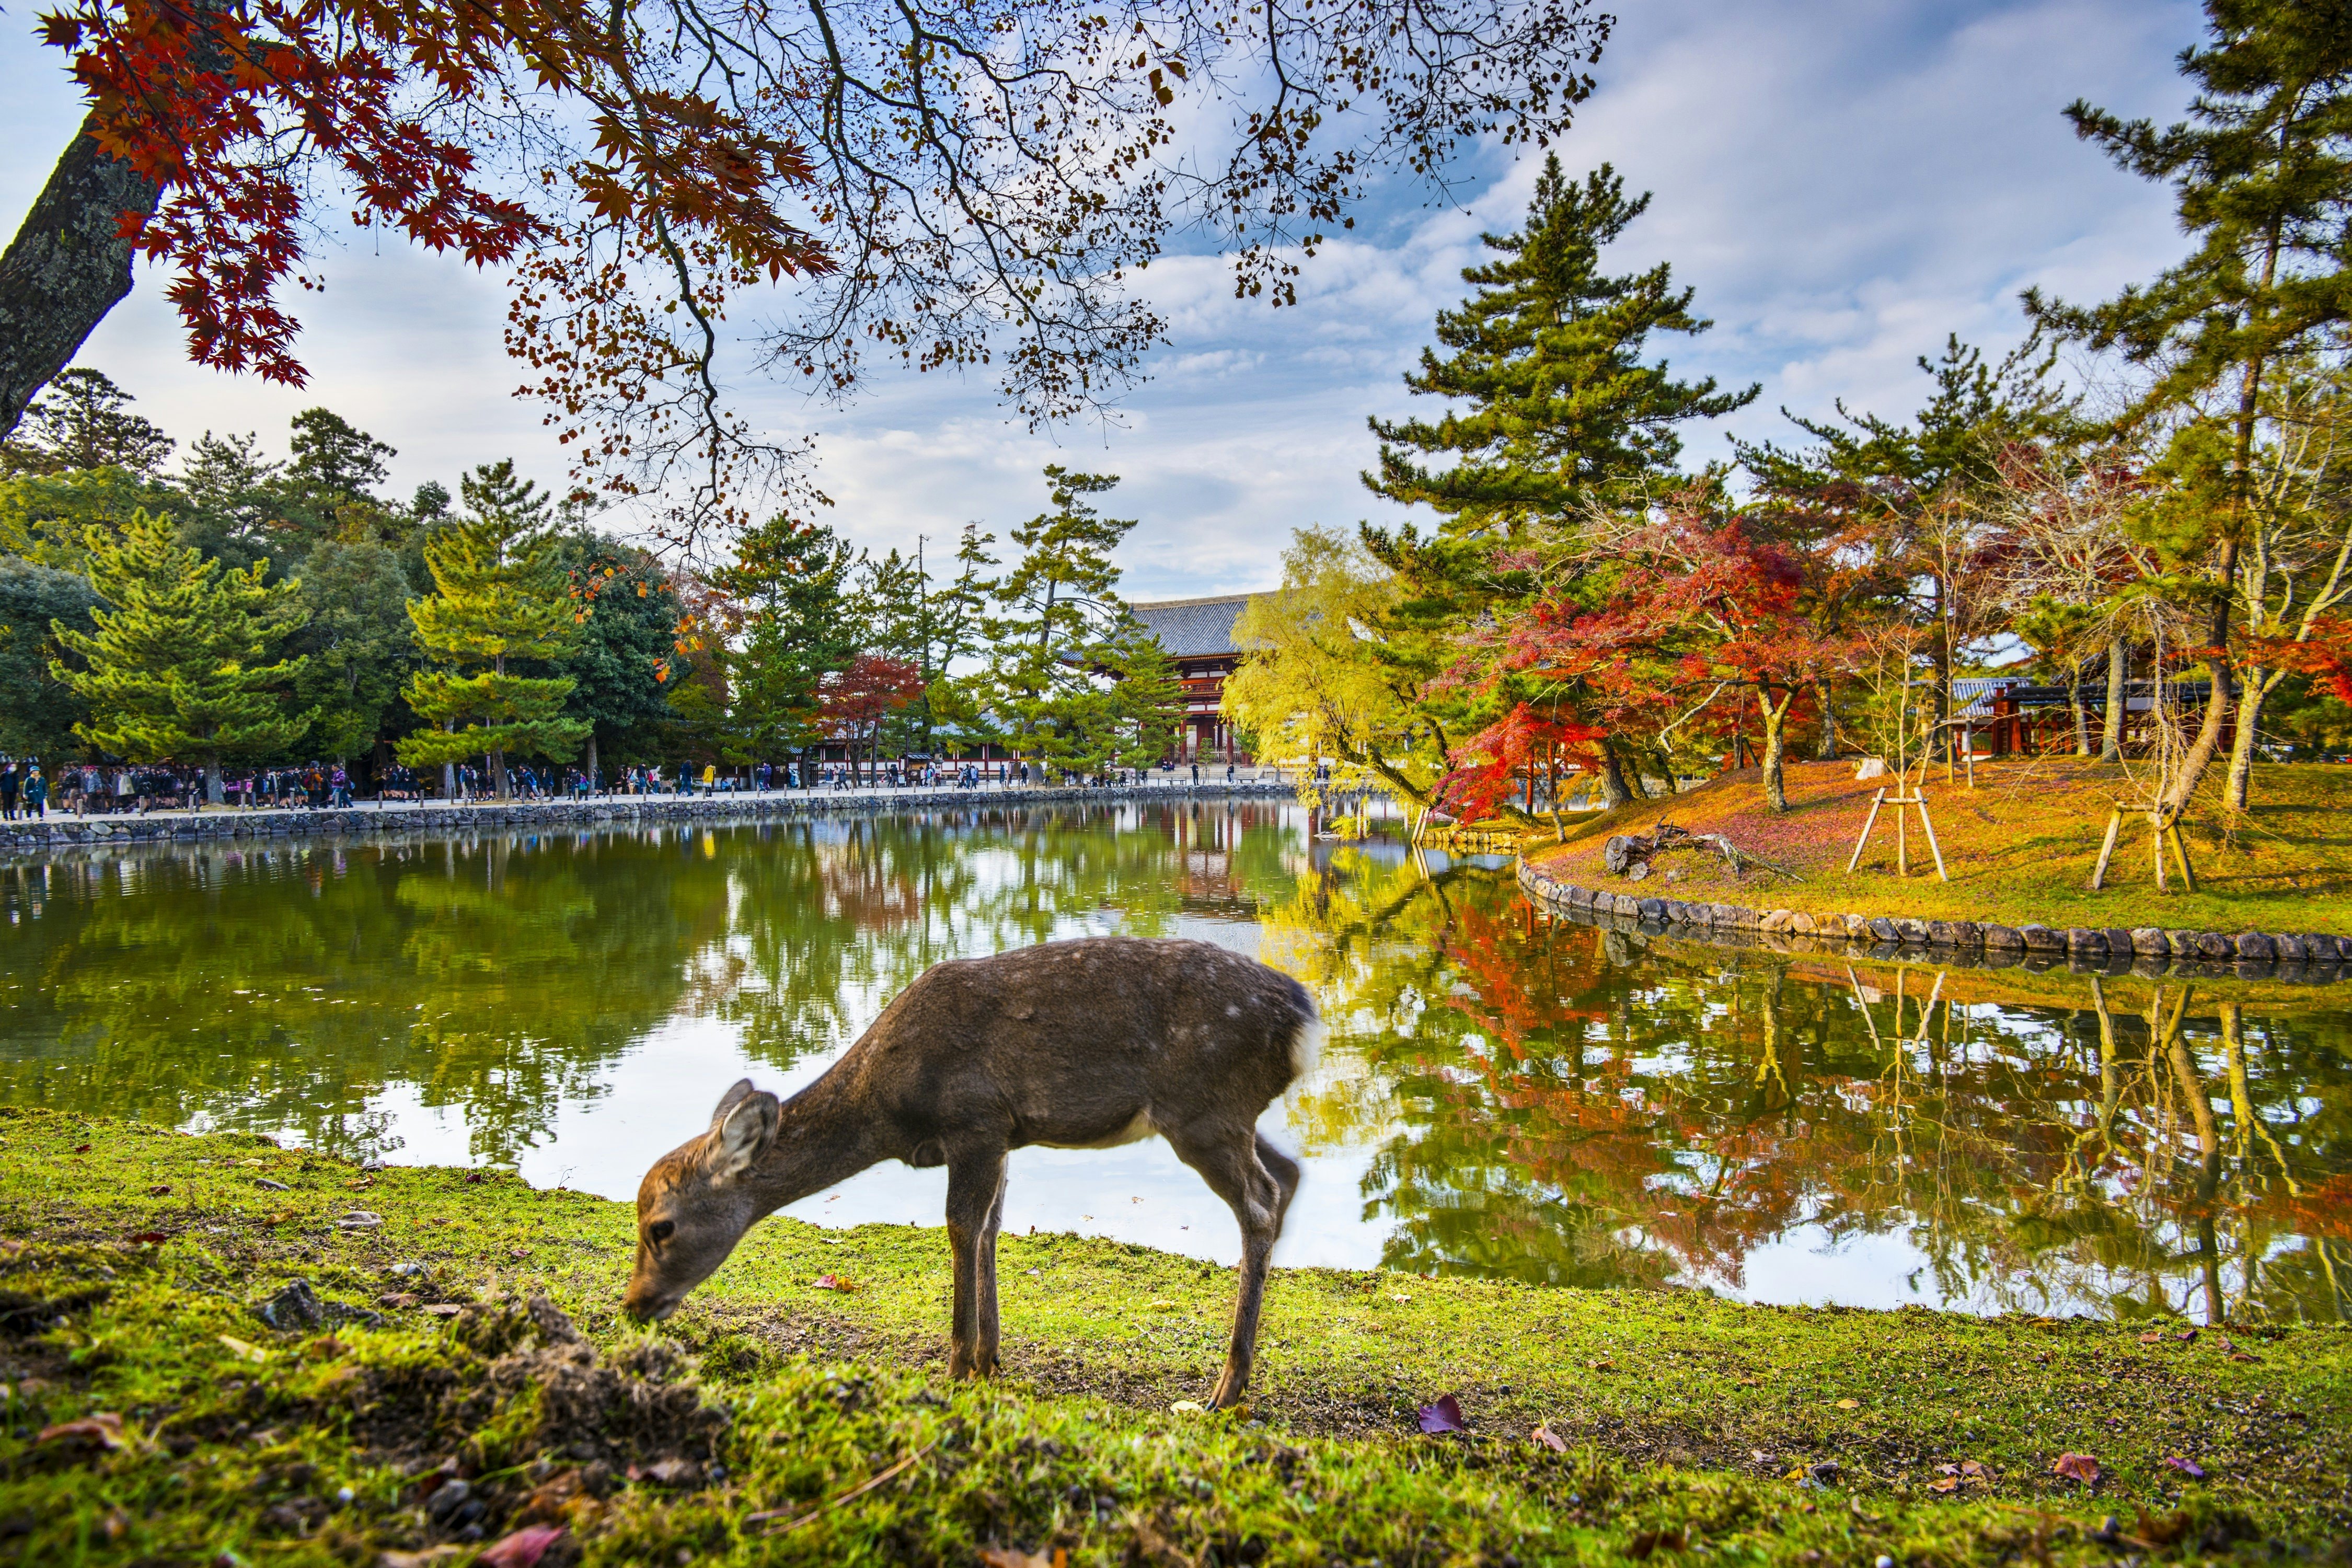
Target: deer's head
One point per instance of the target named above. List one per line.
(695, 1202)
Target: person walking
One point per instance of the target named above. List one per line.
(36, 794)
(11, 781)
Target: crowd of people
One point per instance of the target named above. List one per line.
(92, 789)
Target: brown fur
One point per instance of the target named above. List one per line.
(1073, 1044)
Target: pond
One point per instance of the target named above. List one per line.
(1505, 1094)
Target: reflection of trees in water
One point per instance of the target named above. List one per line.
(290, 987)
(1550, 1102)
(293, 987)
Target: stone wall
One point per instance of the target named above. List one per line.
(39, 837)
(2145, 950)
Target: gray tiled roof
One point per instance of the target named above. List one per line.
(1192, 628)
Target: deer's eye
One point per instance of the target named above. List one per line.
(661, 1230)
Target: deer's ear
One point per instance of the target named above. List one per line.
(743, 1135)
(728, 1101)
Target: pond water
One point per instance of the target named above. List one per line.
(1505, 1094)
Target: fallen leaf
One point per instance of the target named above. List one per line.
(1445, 1415)
(836, 1282)
(105, 1430)
(1604, 1365)
(159, 1192)
(1849, 1404)
(1651, 1540)
(1972, 1468)
(243, 1351)
(1549, 1439)
(2187, 1337)
(2242, 1355)
(359, 1219)
(395, 1300)
(1945, 1484)
(1163, 1305)
(443, 1309)
(523, 1549)
(1188, 1407)
(1399, 1297)
(2189, 1467)
(151, 1237)
(267, 1185)
(1013, 1557)
(2076, 1467)
(2154, 1337)
(81, 1148)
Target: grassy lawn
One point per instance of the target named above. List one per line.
(1685, 1426)
(2019, 847)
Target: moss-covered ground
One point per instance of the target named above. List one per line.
(132, 1259)
(2018, 848)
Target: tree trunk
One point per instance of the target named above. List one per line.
(67, 268)
(2111, 734)
(2207, 744)
(1826, 749)
(591, 761)
(2250, 697)
(499, 772)
(212, 781)
(2074, 702)
(1615, 792)
(1776, 725)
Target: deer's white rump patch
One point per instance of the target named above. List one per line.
(1307, 1048)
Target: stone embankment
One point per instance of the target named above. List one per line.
(42, 836)
(2146, 950)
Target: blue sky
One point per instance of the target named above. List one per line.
(1844, 181)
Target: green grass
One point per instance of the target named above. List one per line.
(1686, 1420)
(2019, 848)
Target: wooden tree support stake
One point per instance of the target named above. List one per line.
(2162, 831)
(1902, 854)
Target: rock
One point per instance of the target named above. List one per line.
(1914, 931)
(2290, 948)
(2041, 939)
(1802, 923)
(2148, 940)
(297, 1306)
(2255, 944)
(2182, 944)
(2083, 938)
(1884, 929)
(2213, 944)
(2119, 940)
(1778, 920)
(2322, 949)
(1637, 871)
(1652, 909)
(2006, 939)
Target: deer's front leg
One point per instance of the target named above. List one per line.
(975, 1196)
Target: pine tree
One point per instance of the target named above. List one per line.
(503, 597)
(790, 581)
(2263, 172)
(1072, 680)
(180, 665)
(82, 420)
(1548, 353)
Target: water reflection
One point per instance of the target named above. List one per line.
(1514, 1095)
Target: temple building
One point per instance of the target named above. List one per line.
(1197, 634)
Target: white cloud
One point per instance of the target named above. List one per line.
(1844, 181)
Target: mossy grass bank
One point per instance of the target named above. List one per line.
(2018, 848)
(189, 1430)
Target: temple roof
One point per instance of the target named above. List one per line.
(1192, 628)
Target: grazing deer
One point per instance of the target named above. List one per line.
(1074, 1045)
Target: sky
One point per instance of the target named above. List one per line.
(1845, 182)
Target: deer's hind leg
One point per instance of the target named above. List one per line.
(975, 1210)
(1230, 1160)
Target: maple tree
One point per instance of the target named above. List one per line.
(969, 185)
(855, 702)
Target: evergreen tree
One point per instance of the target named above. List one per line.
(360, 644)
(627, 648)
(232, 492)
(180, 665)
(1072, 680)
(502, 597)
(40, 716)
(791, 582)
(2263, 177)
(328, 490)
(82, 420)
(1548, 353)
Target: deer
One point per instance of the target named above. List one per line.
(1072, 1045)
